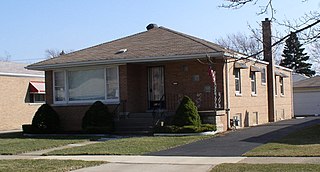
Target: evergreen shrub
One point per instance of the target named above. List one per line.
(45, 120)
(186, 114)
(97, 119)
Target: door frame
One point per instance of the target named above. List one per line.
(157, 103)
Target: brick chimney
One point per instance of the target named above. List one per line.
(267, 56)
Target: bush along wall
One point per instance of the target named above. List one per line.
(45, 120)
(186, 120)
(98, 119)
(187, 114)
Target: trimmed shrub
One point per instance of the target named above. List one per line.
(185, 129)
(186, 114)
(97, 119)
(45, 120)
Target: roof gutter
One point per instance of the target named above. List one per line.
(123, 61)
(21, 75)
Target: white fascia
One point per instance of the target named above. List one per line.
(21, 75)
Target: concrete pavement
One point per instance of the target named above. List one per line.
(236, 143)
(199, 156)
(166, 163)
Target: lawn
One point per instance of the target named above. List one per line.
(305, 142)
(19, 165)
(266, 167)
(129, 146)
(15, 143)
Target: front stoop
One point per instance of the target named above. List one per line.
(213, 117)
(135, 123)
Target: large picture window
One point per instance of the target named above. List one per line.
(86, 85)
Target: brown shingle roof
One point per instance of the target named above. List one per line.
(310, 82)
(154, 43)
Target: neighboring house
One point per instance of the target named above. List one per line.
(298, 77)
(154, 70)
(21, 93)
(306, 96)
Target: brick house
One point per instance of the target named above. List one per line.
(154, 69)
(21, 93)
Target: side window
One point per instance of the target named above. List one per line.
(253, 83)
(263, 76)
(275, 86)
(237, 78)
(281, 85)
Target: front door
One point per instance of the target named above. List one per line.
(156, 97)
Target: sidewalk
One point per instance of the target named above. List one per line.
(166, 163)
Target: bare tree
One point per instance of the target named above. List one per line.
(52, 53)
(250, 44)
(307, 26)
(6, 57)
(246, 44)
(315, 56)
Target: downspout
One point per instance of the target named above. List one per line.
(227, 94)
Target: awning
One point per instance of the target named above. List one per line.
(280, 74)
(240, 65)
(37, 87)
(255, 69)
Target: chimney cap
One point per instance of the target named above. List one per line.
(151, 26)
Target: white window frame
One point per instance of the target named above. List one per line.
(237, 71)
(66, 86)
(253, 83)
(281, 84)
(275, 86)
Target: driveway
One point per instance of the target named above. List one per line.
(236, 143)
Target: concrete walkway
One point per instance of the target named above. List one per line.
(166, 163)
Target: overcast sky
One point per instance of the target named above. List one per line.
(29, 27)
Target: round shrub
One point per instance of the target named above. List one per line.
(46, 119)
(97, 119)
(187, 114)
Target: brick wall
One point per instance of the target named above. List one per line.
(284, 102)
(246, 106)
(14, 107)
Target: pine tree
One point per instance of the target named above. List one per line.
(295, 58)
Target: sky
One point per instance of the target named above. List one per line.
(29, 28)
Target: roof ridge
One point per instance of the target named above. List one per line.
(193, 38)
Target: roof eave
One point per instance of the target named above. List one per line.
(124, 61)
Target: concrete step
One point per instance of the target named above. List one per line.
(140, 115)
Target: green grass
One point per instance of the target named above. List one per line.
(129, 146)
(15, 143)
(305, 142)
(266, 167)
(24, 165)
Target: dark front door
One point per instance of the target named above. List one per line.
(156, 87)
